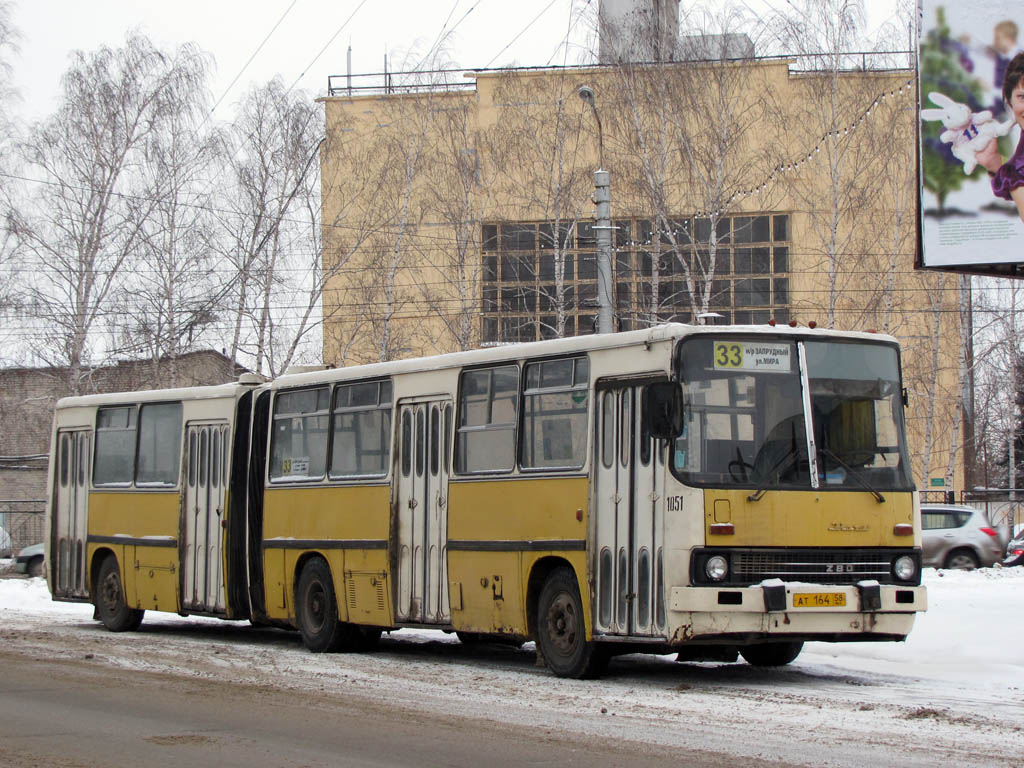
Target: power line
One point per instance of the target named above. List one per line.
(327, 44)
(254, 54)
(521, 33)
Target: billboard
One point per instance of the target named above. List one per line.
(972, 154)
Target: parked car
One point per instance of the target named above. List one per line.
(958, 537)
(30, 560)
(1015, 551)
(5, 543)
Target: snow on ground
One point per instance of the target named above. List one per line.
(953, 694)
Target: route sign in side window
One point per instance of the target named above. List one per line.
(298, 449)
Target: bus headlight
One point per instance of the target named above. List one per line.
(904, 568)
(716, 568)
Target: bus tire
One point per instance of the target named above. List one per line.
(561, 629)
(316, 609)
(111, 607)
(771, 654)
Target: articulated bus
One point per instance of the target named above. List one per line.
(707, 491)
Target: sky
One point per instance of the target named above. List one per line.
(304, 41)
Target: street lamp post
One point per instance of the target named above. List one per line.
(602, 223)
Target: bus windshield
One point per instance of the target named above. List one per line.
(746, 415)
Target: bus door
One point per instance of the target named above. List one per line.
(208, 450)
(71, 510)
(422, 515)
(629, 471)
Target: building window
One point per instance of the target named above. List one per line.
(522, 298)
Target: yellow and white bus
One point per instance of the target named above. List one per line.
(710, 491)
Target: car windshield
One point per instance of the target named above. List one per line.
(746, 415)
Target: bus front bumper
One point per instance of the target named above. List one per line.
(792, 610)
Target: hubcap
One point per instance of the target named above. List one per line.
(562, 623)
(111, 591)
(317, 606)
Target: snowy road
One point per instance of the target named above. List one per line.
(952, 695)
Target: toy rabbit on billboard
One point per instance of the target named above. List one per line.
(968, 132)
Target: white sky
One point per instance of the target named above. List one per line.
(232, 30)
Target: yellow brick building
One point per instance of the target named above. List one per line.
(459, 213)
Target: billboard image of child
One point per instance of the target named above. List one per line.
(970, 63)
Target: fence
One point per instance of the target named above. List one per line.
(24, 522)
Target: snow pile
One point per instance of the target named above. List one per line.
(970, 633)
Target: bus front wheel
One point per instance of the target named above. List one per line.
(111, 606)
(771, 654)
(561, 629)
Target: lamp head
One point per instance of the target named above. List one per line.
(586, 93)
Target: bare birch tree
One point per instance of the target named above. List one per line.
(457, 197)
(84, 223)
(269, 237)
(539, 149)
(173, 290)
(687, 135)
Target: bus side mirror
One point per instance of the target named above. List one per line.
(664, 411)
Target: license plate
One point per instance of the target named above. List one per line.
(819, 599)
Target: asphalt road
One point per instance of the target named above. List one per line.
(76, 713)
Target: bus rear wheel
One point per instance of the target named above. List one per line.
(771, 654)
(561, 629)
(111, 607)
(316, 609)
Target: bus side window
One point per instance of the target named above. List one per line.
(65, 440)
(298, 450)
(159, 455)
(115, 445)
(488, 404)
(555, 414)
(361, 435)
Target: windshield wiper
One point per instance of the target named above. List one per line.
(792, 453)
(856, 476)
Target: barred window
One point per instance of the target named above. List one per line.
(540, 278)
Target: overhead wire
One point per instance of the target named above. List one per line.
(253, 56)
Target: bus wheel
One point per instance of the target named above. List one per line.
(316, 609)
(561, 630)
(771, 654)
(111, 606)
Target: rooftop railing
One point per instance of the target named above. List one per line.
(464, 79)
